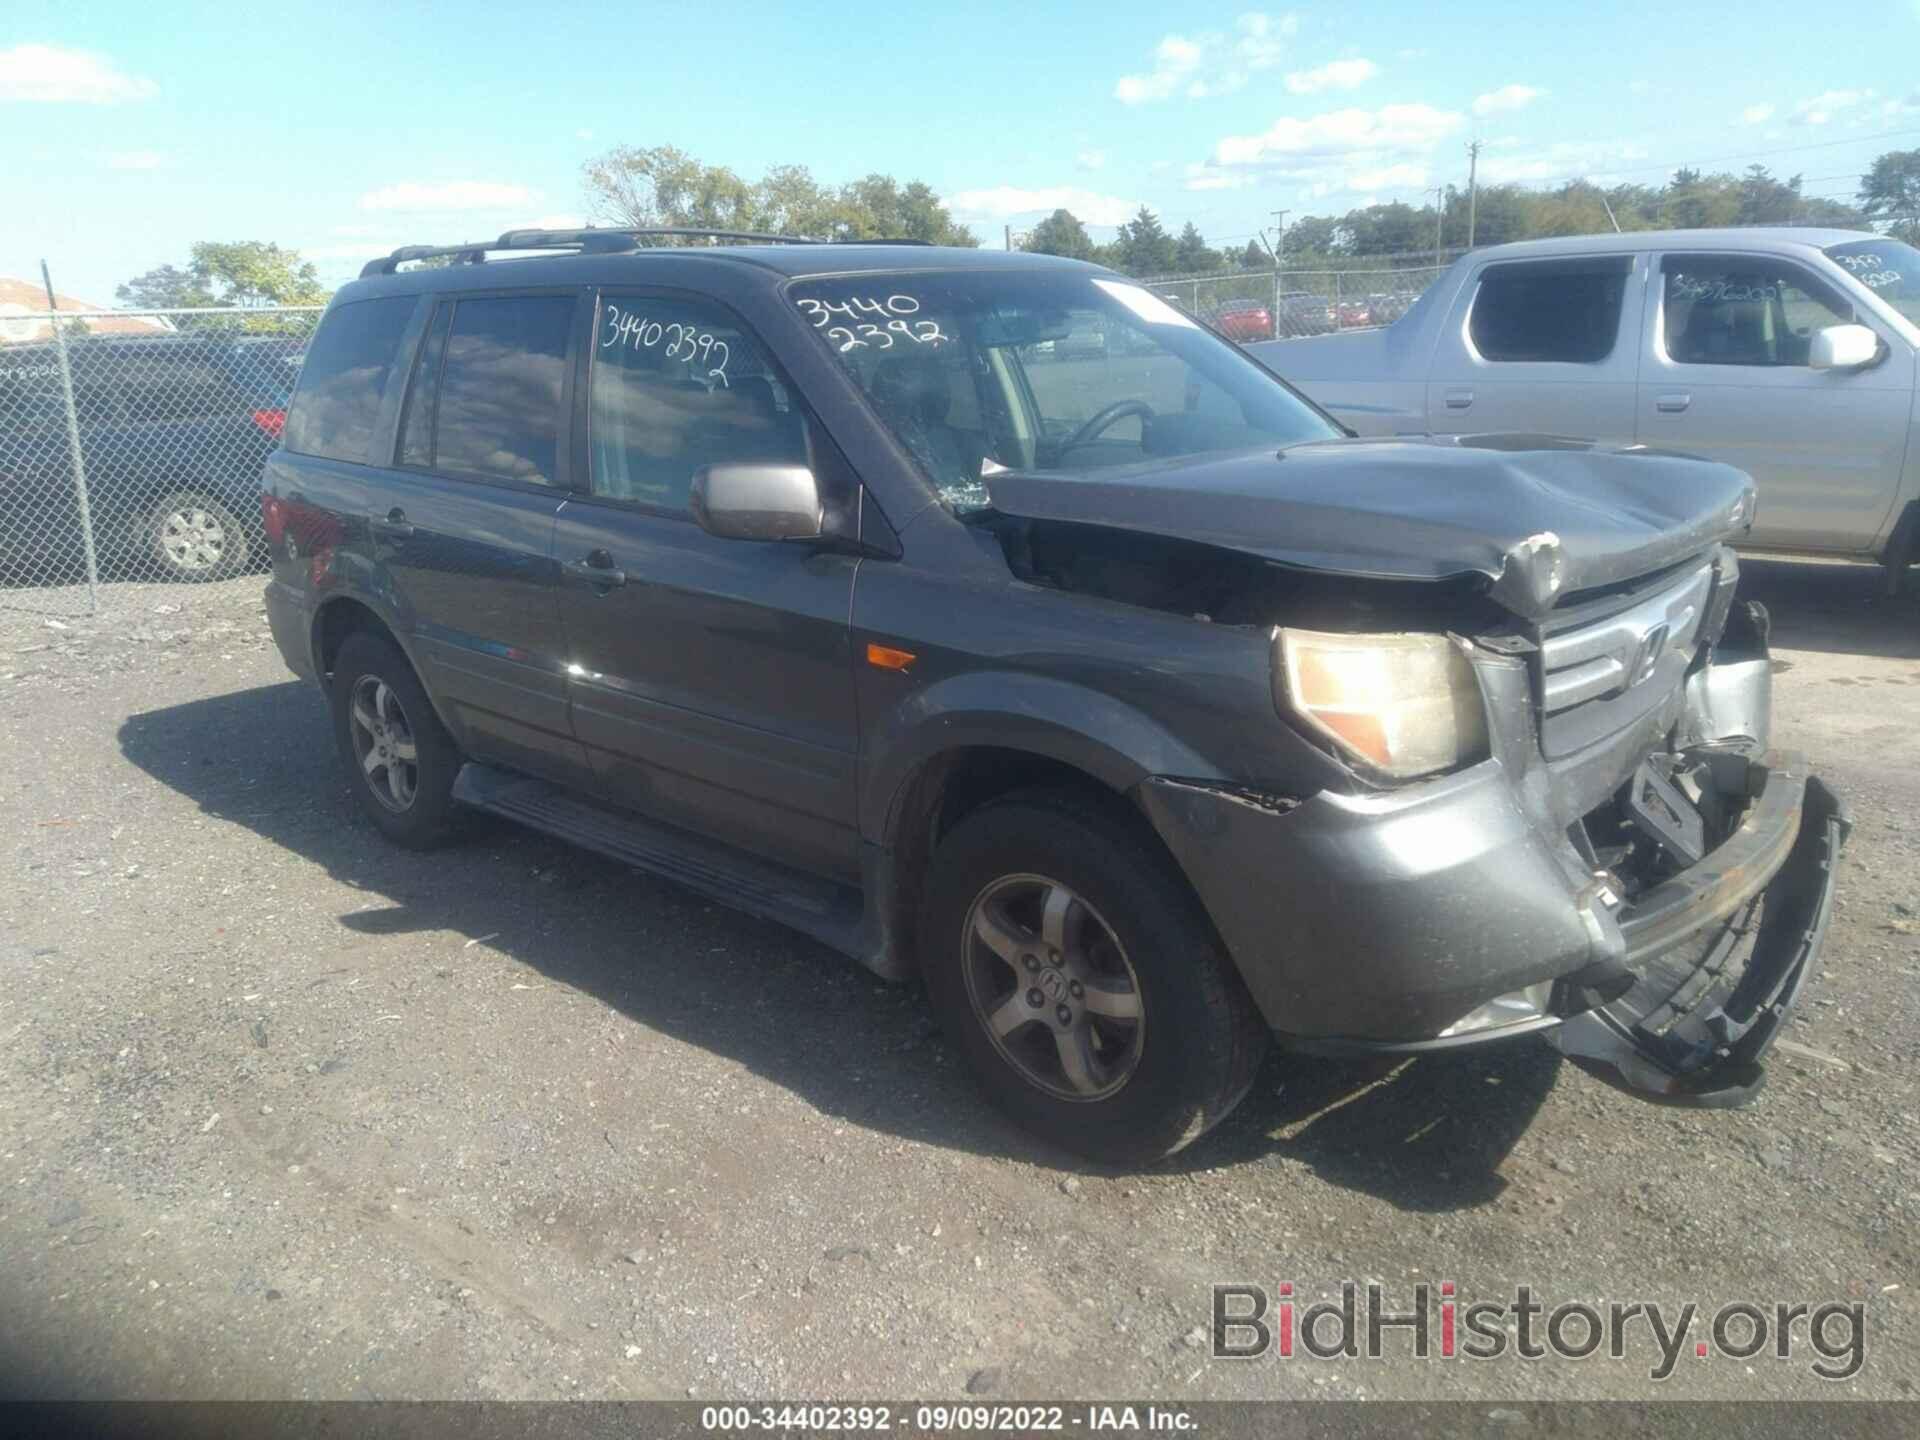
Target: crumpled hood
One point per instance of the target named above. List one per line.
(1539, 516)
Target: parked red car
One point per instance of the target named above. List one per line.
(1244, 320)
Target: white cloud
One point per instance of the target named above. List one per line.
(1562, 160)
(1202, 177)
(448, 196)
(137, 160)
(1829, 105)
(583, 134)
(50, 73)
(1003, 202)
(1090, 159)
(1507, 97)
(1389, 177)
(1390, 129)
(1212, 62)
(1336, 75)
(1756, 114)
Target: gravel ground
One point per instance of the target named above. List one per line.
(286, 1112)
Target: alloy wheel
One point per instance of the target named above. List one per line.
(1051, 983)
(383, 743)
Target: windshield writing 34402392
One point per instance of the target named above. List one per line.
(681, 341)
(869, 322)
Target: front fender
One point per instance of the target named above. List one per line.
(1094, 732)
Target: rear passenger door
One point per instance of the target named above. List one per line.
(1727, 377)
(463, 522)
(711, 678)
(1542, 346)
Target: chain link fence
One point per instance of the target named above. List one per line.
(131, 446)
(1267, 305)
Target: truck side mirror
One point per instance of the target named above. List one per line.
(1843, 347)
(757, 501)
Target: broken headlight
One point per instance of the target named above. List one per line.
(1401, 705)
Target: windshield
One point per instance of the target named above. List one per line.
(977, 372)
(1888, 268)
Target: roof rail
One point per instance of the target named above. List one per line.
(591, 240)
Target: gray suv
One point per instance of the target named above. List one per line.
(1124, 699)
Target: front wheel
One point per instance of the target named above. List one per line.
(1083, 982)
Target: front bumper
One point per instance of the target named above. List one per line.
(1696, 1023)
(1372, 924)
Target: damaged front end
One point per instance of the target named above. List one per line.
(1553, 809)
(1628, 870)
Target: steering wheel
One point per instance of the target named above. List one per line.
(1102, 419)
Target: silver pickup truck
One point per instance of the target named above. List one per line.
(1791, 354)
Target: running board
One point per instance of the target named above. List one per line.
(832, 914)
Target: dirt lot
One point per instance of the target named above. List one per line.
(285, 1112)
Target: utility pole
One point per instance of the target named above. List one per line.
(1473, 189)
(1009, 230)
(1279, 250)
(1439, 215)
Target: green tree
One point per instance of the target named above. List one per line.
(1061, 233)
(1191, 253)
(248, 273)
(1143, 246)
(1311, 237)
(663, 186)
(1890, 194)
(165, 287)
(1255, 257)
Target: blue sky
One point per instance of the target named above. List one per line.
(131, 130)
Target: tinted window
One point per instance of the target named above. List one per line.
(678, 385)
(1744, 310)
(498, 412)
(416, 426)
(168, 387)
(1558, 311)
(343, 376)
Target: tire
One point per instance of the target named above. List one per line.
(410, 801)
(191, 536)
(1141, 1089)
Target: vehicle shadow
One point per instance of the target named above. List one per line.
(782, 1005)
(1833, 606)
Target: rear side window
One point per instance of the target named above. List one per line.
(498, 411)
(344, 375)
(170, 388)
(1565, 311)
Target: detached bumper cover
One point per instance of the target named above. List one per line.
(1696, 1024)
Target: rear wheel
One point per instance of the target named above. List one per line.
(191, 536)
(400, 760)
(1081, 979)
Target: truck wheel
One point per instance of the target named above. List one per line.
(400, 760)
(1074, 968)
(192, 536)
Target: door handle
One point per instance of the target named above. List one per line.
(597, 569)
(1672, 402)
(1459, 399)
(393, 524)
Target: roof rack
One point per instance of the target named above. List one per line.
(592, 240)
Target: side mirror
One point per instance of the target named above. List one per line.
(757, 501)
(1843, 347)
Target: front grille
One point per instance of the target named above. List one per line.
(1606, 661)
